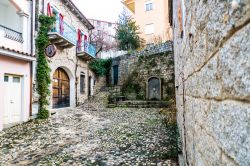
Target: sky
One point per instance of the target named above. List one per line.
(106, 10)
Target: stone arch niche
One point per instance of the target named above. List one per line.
(154, 88)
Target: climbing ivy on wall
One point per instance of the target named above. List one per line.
(43, 70)
(100, 67)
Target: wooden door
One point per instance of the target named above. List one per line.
(61, 89)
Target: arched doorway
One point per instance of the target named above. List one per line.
(154, 88)
(61, 89)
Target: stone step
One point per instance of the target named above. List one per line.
(140, 104)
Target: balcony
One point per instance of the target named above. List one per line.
(62, 34)
(11, 39)
(86, 51)
(11, 34)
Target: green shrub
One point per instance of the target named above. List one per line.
(100, 67)
(43, 114)
(174, 147)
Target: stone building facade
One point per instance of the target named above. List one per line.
(137, 70)
(212, 77)
(72, 80)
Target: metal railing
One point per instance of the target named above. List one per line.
(86, 47)
(12, 34)
(67, 31)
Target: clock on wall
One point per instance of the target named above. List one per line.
(50, 50)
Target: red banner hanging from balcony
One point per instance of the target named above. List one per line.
(79, 39)
(61, 24)
(49, 13)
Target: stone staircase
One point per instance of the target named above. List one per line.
(140, 104)
(102, 99)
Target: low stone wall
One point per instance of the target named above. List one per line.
(100, 83)
(137, 68)
(212, 74)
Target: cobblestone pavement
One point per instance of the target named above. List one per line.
(88, 135)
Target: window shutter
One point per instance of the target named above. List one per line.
(79, 38)
(61, 24)
(49, 13)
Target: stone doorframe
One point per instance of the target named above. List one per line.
(147, 95)
(69, 70)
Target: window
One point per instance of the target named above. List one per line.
(16, 79)
(149, 6)
(6, 78)
(98, 23)
(82, 83)
(149, 29)
(109, 24)
(170, 12)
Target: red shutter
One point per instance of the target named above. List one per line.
(49, 13)
(85, 42)
(79, 38)
(85, 37)
(61, 24)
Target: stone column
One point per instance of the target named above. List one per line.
(25, 29)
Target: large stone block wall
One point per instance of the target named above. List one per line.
(212, 77)
(138, 67)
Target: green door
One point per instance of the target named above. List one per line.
(115, 74)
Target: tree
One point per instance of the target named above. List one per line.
(100, 38)
(127, 33)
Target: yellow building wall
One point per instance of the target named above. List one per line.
(158, 16)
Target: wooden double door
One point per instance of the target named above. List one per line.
(61, 89)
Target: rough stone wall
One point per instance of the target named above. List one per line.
(127, 62)
(138, 67)
(101, 82)
(212, 77)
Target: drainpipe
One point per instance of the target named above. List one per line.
(43, 7)
(88, 96)
(76, 81)
(31, 51)
(31, 73)
(32, 26)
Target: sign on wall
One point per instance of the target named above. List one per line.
(50, 50)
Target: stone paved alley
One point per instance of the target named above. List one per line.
(88, 135)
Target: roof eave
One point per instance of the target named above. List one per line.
(78, 14)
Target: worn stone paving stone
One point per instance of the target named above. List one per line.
(88, 135)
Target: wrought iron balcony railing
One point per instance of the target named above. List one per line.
(65, 30)
(86, 47)
(12, 34)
